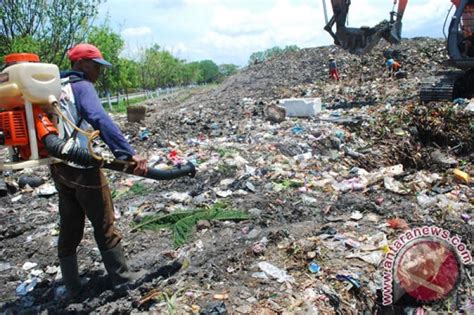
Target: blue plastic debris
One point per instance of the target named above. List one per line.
(297, 129)
(459, 101)
(340, 134)
(27, 286)
(144, 134)
(314, 267)
(350, 279)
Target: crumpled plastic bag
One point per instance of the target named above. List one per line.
(275, 272)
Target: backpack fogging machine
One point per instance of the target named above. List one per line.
(30, 118)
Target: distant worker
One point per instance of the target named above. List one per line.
(392, 66)
(333, 72)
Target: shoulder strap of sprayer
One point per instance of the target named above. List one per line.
(64, 82)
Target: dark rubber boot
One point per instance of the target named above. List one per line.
(70, 273)
(116, 266)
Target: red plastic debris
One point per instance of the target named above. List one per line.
(398, 224)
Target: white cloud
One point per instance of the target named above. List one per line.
(236, 32)
(239, 30)
(136, 31)
(230, 30)
(200, 2)
(419, 16)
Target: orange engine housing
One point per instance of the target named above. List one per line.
(13, 125)
(15, 130)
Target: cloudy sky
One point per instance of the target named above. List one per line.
(228, 31)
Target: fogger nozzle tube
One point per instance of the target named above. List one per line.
(69, 151)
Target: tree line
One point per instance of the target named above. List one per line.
(50, 27)
(261, 56)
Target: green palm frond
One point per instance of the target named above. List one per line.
(182, 223)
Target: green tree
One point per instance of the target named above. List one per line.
(45, 27)
(257, 57)
(129, 74)
(261, 56)
(195, 72)
(272, 52)
(291, 48)
(226, 70)
(209, 71)
(159, 68)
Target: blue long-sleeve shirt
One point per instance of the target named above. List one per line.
(90, 109)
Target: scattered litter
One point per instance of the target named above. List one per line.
(178, 197)
(356, 215)
(354, 184)
(466, 217)
(325, 194)
(29, 265)
(374, 258)
(27, 286)
(221, 296)
(223, 193)
(260, 275)
(462, 176)
(218, 308)
(4, 266)
(275, 272)
(32, 181)
(395, 186)
(314, 267)
(470, 107)
(144, 134)
(259, 247)
(397, 224)
(51, 270)
(36, 272)
(349, 279)
(443, 159)
(45, 190)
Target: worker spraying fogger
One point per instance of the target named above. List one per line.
(31, 123)
(40, 119)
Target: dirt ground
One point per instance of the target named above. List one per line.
(328, 192)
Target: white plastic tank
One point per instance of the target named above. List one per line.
(29, 81)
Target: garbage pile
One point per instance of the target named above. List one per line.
(324, 196)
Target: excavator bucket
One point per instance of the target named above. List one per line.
(362, 40)
(394, 34)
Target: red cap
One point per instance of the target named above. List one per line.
(87, 51)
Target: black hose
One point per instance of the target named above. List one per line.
(153, 173)
(183, 170)
(75, 153)
(82, 157)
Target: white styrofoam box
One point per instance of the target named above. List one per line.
(301, 107)
(470, 106)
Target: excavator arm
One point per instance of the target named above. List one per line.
(362, 40)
